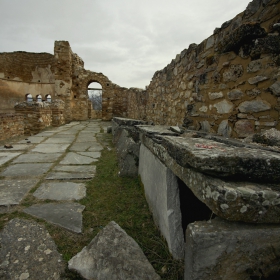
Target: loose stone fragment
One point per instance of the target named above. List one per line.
(113, 255)
(24, 244)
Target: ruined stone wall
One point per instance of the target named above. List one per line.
(137, 102)
(37, 116)
(11, 125)
(120, 102)
(113, 96)
(63, 76)
(96, 114)
(228, 84)
(22, 73)
(57, 107)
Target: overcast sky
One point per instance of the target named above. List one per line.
(126, 40)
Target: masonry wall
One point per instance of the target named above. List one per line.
(228, 84)
(114, 101)
(11, 125)
(37, 116)
(22, 73)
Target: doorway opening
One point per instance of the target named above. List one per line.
(95, 95)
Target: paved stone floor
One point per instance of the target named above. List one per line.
(57, 162)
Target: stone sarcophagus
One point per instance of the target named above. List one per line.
(215, 200)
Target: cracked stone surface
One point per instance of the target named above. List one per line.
(50, 148)
(61, 191)
(80, 158)
(83, 147)
(13, 191)
(26, 170)
(90, 169)
(227, 250)
(113, 255)
(67, 215)
(37, 157)
(223, 160)
(58, 140)
(5, 157)
(33, 139)
(27, 251)
(69, 176)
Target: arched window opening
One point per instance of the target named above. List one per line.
(39, 98)
(95, 95)
(48, 98)
(29, 97)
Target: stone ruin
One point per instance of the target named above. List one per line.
(228, 84)
(215, 199)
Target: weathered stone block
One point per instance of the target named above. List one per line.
(215, 95)
(224, 129)
(128, 154)
(27, 251)
(257, 79)
(255, 106)
(113, 255)
(224, 250)
(235, 94)
(244, 128)
(222, 160)
(162, 194)
(224, 107)
(236, 201)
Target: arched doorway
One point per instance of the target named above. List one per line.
(95, 97)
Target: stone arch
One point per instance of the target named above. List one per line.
(28, 97)
(107, 91)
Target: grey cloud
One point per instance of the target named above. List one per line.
(127, 40)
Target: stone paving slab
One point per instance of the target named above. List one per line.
(5, 157)
(66, 215)
(61, 191)
(13, 191)
(17, 147)
(27, 169)
(33, 139)
(68, 136)
(68, 132)
(27, 251)
(89, 169)
(69, 176)
(46, 133)
(95, 148)
(74, 158)
(89, 131)
(37, 157)
(50, 148)
(85, 138)
(90, 154)
(59, 140)
(82, 147)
